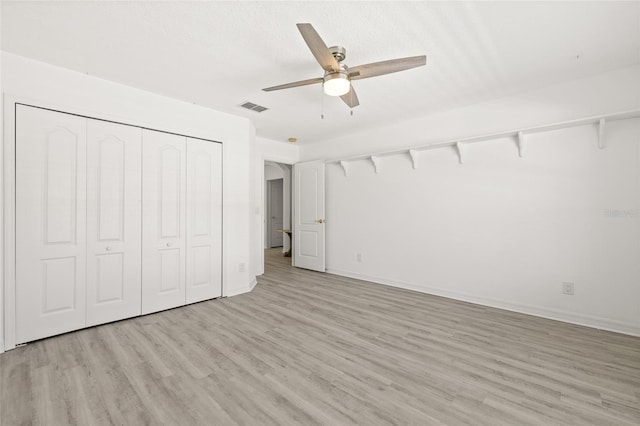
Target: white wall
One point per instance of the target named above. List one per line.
(41, 83)
(501, 230)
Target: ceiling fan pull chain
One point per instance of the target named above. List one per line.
(322, 105)
(352, 93)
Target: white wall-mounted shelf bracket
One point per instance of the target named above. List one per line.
(345, 167)
(414, 158)
(601, 129)
(520, 142)
(460, 152)
(376, 162)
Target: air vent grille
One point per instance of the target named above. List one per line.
(253, 107)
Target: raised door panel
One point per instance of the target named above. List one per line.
(50, 223)
(204, 220)
(163, 225)
(114, 182)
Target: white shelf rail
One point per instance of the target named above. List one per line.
(519, 135)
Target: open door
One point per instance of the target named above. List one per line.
(308, 216)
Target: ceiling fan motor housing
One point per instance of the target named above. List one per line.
(338, 52)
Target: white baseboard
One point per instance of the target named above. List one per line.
(570, 317)
(241, 290)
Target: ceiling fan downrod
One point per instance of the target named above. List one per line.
(338, 52)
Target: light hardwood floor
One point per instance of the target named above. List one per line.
(311, 348)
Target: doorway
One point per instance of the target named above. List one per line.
(277, 206)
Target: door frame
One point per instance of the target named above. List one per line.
(8, 200)
(261, 163)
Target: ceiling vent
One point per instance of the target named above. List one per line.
(253, 107)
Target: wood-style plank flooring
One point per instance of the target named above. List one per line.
(311, 348)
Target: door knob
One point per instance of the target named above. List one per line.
(169, 244)
(108, 248)
(320, 220)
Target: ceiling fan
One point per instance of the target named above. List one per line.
(338, 76)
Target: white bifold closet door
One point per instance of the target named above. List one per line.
(114, 214)
(204, 220)
(50, 223)
(163, 220)
(112, 221)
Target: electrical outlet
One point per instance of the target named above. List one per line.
(567, 288)
(241, 267)
(358, 257)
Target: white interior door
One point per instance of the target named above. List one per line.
(50, 223)
(114, 214)
(276, 217)
(308, 216)
(204, 220)
(163, 220)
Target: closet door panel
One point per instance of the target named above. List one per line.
(164, 217)
(50, 223)
(114, 191)
(204, 220)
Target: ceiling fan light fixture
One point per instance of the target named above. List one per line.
(337, 76)
(336, 83)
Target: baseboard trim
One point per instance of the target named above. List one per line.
(241, 290)
(538, 311)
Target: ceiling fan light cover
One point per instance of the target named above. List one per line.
(336, 84)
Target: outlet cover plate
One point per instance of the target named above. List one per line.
(567, 288)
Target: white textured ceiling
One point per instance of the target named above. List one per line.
(219, 54)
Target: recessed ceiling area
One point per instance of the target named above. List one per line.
(221, 54)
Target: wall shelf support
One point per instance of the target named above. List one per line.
(345, 167)
(601, 130)
(460, 152)
(376, 162)
(520, 142)
(414, 158)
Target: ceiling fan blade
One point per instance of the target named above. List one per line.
(318, 48)
(295, 84)
(350, 98)
(386, 67)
